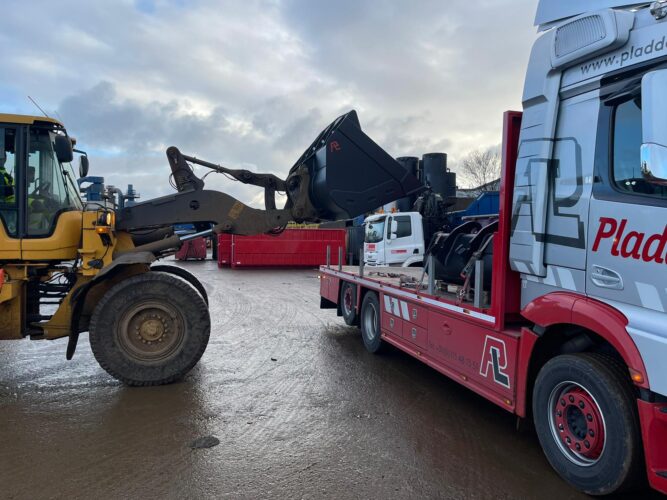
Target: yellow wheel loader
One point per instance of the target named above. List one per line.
(68, 267)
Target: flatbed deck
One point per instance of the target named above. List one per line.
(389, 275)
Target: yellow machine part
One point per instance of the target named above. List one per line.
(10, 248)
(12, 303)
(77, 235)
(63, 244)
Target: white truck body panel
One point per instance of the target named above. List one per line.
(552, 11)
(573, 185)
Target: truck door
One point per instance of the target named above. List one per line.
(400, 243)
(627, 237)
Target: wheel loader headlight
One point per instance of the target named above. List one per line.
(105, 222)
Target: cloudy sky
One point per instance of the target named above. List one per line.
(250, 83)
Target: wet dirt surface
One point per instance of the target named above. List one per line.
(324, 420)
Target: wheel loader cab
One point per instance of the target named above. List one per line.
(40, 206)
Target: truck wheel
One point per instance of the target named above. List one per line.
(348, 303)
(586, 420)
(370, 323)
(150, 329)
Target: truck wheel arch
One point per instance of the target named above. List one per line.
(562, 310)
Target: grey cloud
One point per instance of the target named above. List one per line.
(251, 83)
(131, 137)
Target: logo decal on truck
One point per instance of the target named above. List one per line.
(633, 244)
(495, 357)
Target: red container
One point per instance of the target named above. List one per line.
(225, 250)
(192, 249)
(292, 248)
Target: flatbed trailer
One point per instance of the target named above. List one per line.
(500, 350)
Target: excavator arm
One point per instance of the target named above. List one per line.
(341, 175)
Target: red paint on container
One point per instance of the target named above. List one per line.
(291, 248)
(192, 249)
(225, 250)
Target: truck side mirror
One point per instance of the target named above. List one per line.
(654, 127)
(83, 166)
(394, 229)
(63, 148)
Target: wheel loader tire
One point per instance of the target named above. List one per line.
(186, 275)
(150, 329)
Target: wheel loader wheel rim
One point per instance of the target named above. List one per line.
(150, 331)
(577, 423)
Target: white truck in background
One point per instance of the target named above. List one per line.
(394, 240)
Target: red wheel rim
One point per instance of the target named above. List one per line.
(347, 300)
(577, 423)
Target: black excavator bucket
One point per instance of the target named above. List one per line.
(350, 174)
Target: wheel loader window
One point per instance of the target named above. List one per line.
(8, 207)
(50, 191)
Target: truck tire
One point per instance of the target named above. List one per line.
(348, 303)
(370, 323)
(150, 329)
(586, 420)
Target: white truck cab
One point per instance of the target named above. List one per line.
(395, 239)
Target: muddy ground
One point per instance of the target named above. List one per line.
(300, 408)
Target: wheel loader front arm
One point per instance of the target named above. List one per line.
(341, 175)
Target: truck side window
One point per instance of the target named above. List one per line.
(627, 144)
(8, 207)
(404, 226)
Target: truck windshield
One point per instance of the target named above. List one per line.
(374, 231)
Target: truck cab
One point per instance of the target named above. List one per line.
(558, 310)
(590, 196)
(395, 239)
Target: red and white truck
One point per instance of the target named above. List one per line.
(558, 311)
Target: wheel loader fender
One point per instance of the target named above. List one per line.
(123, 267)
(123, 264)
(85, 298)
(186, 275)
(124, 260)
